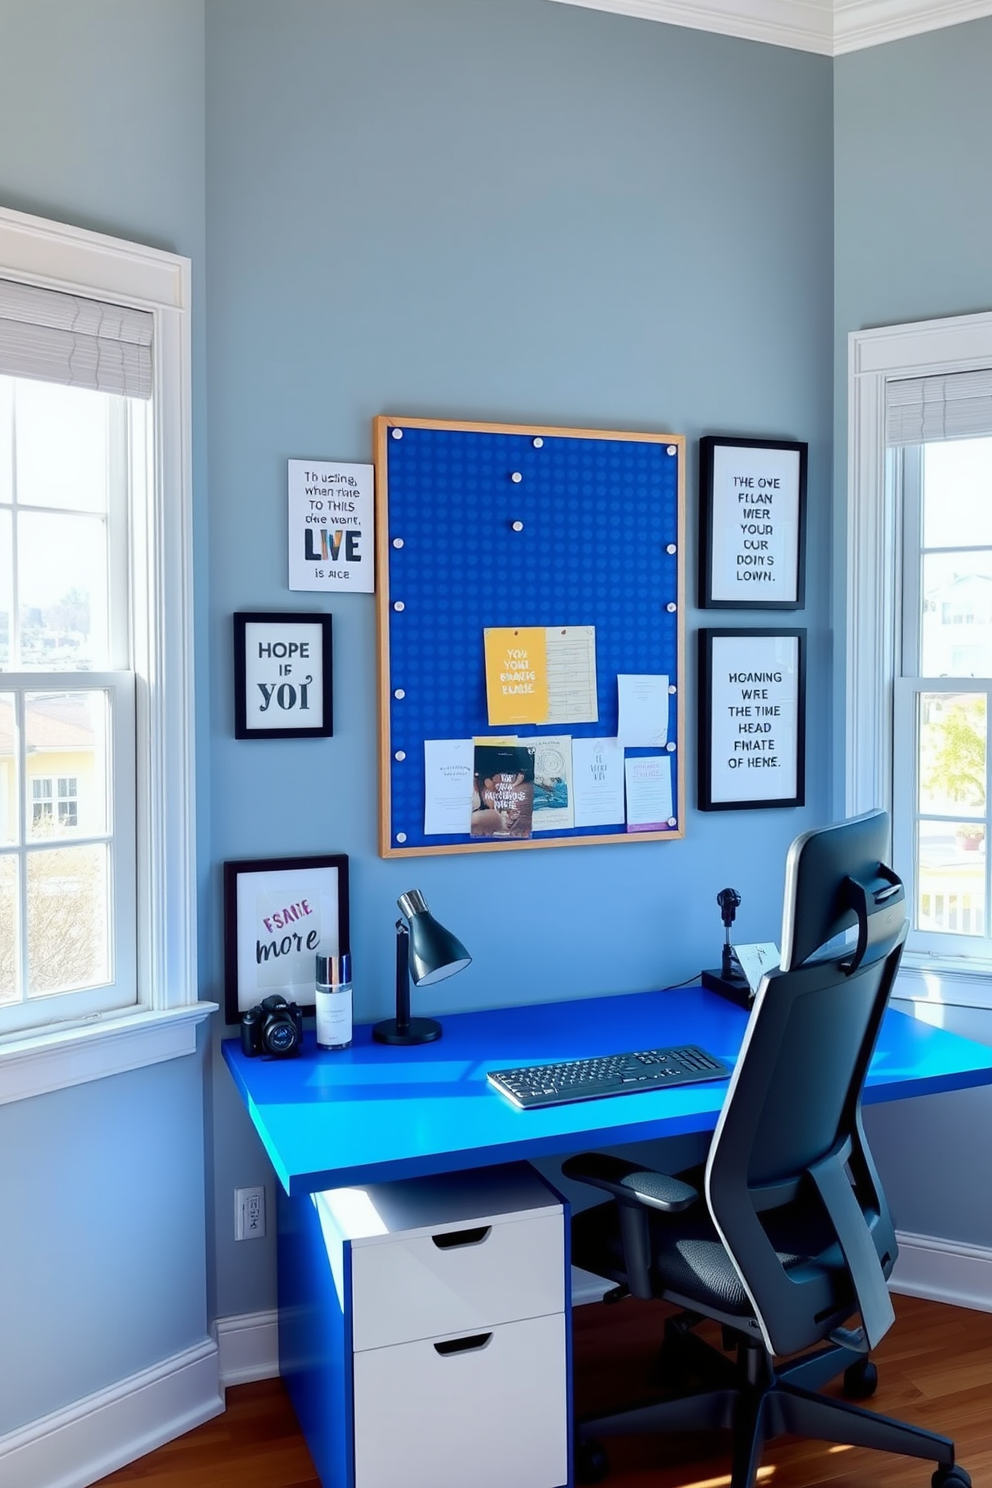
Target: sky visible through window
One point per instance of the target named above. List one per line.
(55, 456)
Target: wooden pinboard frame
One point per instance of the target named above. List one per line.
(504, 525)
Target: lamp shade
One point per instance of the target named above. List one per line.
(434, 952)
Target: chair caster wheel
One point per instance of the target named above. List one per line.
(860, 1380)
(591, 1465)
(951, 1477)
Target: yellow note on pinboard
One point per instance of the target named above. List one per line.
(516, 674)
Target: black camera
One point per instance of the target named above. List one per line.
(274, 1027)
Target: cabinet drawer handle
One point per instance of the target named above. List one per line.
(462, 1237)
(472, 1344)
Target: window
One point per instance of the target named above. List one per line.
(96, 873)
(49, 809)
(919, 644)
(943, 489)
(71, 469)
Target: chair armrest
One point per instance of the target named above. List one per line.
(630, 1183)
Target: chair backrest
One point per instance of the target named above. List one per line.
(789, 1162)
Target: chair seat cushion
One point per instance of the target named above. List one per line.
(689, 1256)
(690, 1260)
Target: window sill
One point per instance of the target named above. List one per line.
(925, 979)
(37, 1063)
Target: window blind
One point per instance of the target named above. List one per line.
(955, 406)
(56, 337)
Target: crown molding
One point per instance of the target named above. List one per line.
(867, 23)
(804, 25)
(828, 27)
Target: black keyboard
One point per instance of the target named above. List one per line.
(610, 1074)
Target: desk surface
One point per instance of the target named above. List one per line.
(376, 1113)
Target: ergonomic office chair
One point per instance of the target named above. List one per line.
(791, 1236)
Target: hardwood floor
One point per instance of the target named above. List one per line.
(935, 1370)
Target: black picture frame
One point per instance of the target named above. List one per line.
(752, 523)
(279, 678)
(752, 709)
(273, 910)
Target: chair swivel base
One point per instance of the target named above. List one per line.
(759, 1409)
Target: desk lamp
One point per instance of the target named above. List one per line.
(427, 953)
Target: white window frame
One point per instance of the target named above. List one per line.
(874, 562)
(162, 1025)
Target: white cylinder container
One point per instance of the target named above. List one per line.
(332, 995)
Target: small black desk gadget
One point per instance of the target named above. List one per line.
(730, 980)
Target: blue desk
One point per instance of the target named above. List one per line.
(374, 1113)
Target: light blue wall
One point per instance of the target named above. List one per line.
(913, 236)
(913, 218)
(507, 210)
(499, 210)
(503, 210)
(102, 1251)
(933, 1153)
(102, 1233)
(913, 174)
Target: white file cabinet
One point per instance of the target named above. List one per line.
(423, 1331)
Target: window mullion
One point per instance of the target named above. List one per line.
(14, 658)
(908, 463)
(988, 808)
(905, 789)
(118, 531)
(20, 774)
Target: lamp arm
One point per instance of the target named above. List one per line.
(402, 977)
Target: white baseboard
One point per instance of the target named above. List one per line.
(248, 1347)
(75, 1446)
(943, 1271)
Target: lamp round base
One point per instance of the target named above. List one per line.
(417, 1031)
